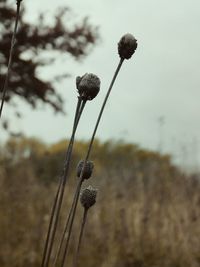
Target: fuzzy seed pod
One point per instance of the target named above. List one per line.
(88, 197)
(127, 46)
(88, 86)
(89, 166)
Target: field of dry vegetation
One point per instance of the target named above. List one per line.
(147, 212)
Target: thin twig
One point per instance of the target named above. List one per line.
(4, 89)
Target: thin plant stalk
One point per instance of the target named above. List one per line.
(87, 157)
(60, 191)
(50, 224)
(102, 109)
(4, 89)
(63, 235)
(65, 175)
(80, 237)
(73, 213)
(56, 197)
(67, 225)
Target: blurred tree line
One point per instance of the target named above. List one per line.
(115, 158)
(147, 212)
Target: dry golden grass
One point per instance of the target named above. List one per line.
(144, 217)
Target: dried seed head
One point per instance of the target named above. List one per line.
(127, 46)
(88, 197)
(89, 166)
(88, 86)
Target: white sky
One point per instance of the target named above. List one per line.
(162, 79)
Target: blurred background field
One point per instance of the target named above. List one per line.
(147, 212)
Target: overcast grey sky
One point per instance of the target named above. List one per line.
(162, 79)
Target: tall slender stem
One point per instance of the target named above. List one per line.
(75, 202)
(102, 109)
(87, 157)
(4, 89)
(80, 237)
(67, 158)
(65, 176)
(58, 191)
(50, 224)
(67, 224)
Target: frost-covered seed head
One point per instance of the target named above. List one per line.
(127, 46)
(88, 197)
(89, 166)
(88, 86)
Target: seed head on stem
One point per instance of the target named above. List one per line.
(88, 86)
(127, 46)
(87, 199)
(68, 225)
(87, 92)
(87, 172)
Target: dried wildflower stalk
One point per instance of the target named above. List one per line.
(126, 48)
(86, 175)
(58, 197)
(75, 200)
(88, 87)
(60, 190)
(4, 89)
(87, 199)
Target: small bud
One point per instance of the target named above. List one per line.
(89, 166)
(127, 46)
(88, 197)
(88, 86)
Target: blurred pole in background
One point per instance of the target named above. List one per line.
(161, 123)
(195, 154)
